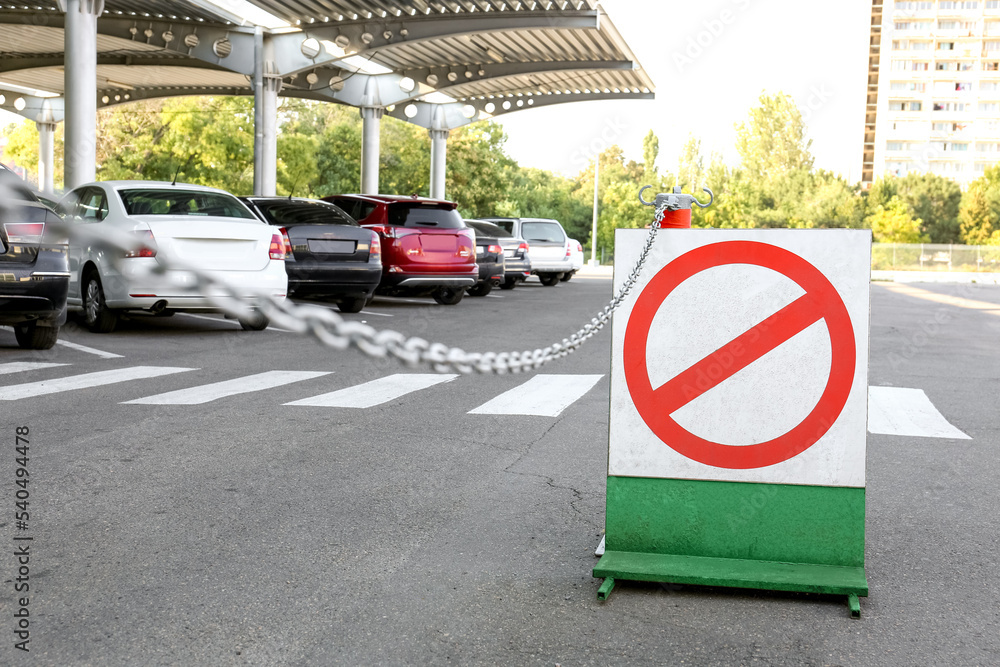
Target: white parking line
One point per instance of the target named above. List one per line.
(542, 396)
(21, 366)
(217, 390)
(89, 350)
(31, 389)
(372, 312)
(902, 411)
(376, 392)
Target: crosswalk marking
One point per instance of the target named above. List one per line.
(89, 350)
(21, 366)
(902, 411)
(542, 396)
(86, 380)
(217, 390)
(376, 392)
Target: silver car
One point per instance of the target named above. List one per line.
(550, 253)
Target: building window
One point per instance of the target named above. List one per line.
(988, 86)
(962, 86)
(987, 147)
(908, 86)
(949, 106)
(904, 106)
(946, 46)
(989, 107)
(991, 45)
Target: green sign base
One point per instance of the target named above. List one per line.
(745, 535)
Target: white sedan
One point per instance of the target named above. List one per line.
(172, 224)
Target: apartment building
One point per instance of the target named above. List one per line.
(936, 67)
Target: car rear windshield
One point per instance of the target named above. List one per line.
(147, 201)
(425, 215)
(294, 213)
(489, 229)
(543, 232)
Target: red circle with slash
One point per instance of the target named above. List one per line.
(820, 301)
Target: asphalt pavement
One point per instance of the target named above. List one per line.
(245, 531)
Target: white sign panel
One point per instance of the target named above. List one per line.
(742, 355)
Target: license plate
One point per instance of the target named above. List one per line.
(325, 247)
(508, 253)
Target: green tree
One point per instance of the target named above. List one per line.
(22, 149)
(772, 140)
(691, 166)
(477, 164)
(650, 151)
(893, 223)
(935, 200)
(979, 214)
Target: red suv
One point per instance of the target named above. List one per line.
(426, 247)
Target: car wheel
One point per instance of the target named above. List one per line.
(99, 318)
(509, 283)
(567, 276)
(449, 296)
(30, 336)
(255, 322)
(549, 279)
(352, 305)
(481, 289)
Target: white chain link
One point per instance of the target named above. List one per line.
(334, 331)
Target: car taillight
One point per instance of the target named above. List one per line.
(286, 242)
(495, 249)
(277, 249)
(523, 247)
(145, 247)
(375, 250)
(569, 251)
(579, 247)
(24, 232)
(383, 230)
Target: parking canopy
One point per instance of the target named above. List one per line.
(438, 64)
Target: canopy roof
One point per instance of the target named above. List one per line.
(442, 63)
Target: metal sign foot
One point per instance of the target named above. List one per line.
(605, 590)
(854, 604)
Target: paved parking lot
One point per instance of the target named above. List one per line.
(205, 495)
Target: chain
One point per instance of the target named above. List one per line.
(334, 331)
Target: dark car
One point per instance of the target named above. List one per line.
(34, 266)
(426, 247)
(327, 253)
(517, 265)
(489, 259)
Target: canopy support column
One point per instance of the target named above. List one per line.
(266, 86)
(46, 155)
(80, 83)
(370, 122)
(439, 150)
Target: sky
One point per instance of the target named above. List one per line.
(710, 60)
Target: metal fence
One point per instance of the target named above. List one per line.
(935, 257)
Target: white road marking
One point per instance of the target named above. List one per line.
(902, 411)
(542, 396)
(372, 312)
(87, 380)
(376, 392)
(89, 350)
(495, 296)
(217, 390)
(21, 366)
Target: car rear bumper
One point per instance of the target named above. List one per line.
(359, 279)
(139, 289)
(27, 295)
(491, 271)
(551, 267)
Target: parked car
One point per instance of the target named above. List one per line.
(550, 252)
(34, 266)
(327, 253)
(189, 224)
(516, 265)
(426, 247)
(576, 258)
(489, 259)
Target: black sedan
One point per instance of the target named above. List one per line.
(516, 264)
(34, 266)
(327, 254)
(489, 259)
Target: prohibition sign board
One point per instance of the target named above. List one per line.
(800, 359)
(820, 301)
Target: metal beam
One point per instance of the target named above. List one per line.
(327, 43)
(12, 63)
(38, 109)
(457, 114)
(445, 78)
